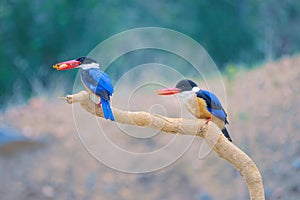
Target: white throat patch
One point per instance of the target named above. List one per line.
(89, 66)
(195, 89)
(186, 96)
(189, 99)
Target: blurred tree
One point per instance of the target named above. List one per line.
(36, 34)
(224, 30)
(277, 25)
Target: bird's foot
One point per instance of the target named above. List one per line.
(208, 120)
(99, 104)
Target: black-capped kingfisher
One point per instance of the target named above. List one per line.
(201, 103)
(94, 80)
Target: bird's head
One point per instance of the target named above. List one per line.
(183, 86)
(82, 62)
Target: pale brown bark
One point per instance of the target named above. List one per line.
(209, 131)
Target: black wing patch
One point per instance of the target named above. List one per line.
(210, 104)
(213, 104)
(89, 80)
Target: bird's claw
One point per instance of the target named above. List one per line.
(208, 120)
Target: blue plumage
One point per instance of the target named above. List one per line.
(214, 105)
(218, 113)
(213, 97)
(107, 110)
(93, 79)
(99, 83)
(102, 79)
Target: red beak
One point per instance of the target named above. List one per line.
(168, 91)
(67, 65)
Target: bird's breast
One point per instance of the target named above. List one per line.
(198, 107)
(86, 87)
(195, 105)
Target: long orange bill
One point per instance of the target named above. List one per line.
(168, 91)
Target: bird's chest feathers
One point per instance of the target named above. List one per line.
(87, 80)
(195, 105)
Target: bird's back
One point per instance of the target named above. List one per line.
(97, 82)
(213, 104)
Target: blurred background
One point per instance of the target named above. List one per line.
(255, 45)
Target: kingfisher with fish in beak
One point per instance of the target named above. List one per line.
(201, 103)
(94, 80)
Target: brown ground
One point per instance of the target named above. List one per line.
(263, 108)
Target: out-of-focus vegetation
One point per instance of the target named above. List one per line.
(36, 34)
(263, 107)
(263, 104)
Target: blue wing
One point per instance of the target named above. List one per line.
(214, 105)
(102, 79)
(98, 82)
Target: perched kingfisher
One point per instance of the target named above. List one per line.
(94, 80)
(201, 103)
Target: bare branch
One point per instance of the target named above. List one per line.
(210, 132)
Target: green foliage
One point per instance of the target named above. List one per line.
(224, 30)
(230, 72)
(36, 34)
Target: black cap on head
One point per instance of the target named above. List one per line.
(86, 60)
(185, 85)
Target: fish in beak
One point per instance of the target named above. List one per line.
(67, 65)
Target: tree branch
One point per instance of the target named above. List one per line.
(209, 131)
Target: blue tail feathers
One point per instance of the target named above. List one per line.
(107, 112)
